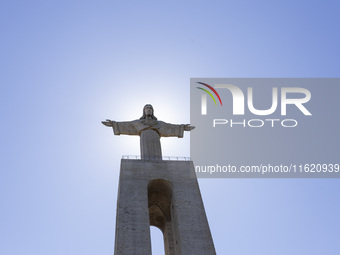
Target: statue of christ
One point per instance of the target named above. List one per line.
(150, 131)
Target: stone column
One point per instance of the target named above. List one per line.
(176, 207)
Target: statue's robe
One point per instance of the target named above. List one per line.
(150, 132)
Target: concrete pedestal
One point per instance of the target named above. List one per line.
(164, 194)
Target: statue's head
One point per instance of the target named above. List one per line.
(148, 112)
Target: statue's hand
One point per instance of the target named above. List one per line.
(108, 123)
(187, 127)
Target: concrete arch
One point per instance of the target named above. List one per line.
(159, 202)
(160, 215)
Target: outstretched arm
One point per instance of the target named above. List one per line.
(123, 127)
(167, 129)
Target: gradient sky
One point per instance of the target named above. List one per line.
(68, 65)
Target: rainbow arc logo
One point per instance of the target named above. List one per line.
(209, 93)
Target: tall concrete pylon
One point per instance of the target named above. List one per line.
(160, 193)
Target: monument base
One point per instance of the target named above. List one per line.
(164, 194)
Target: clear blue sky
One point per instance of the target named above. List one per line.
(67, 65)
